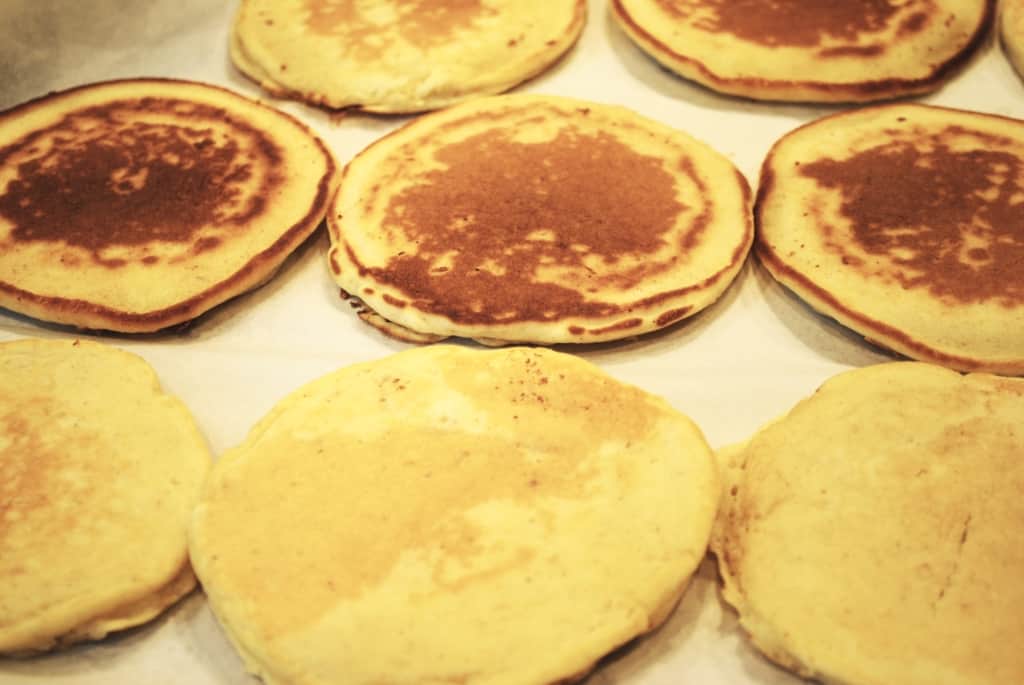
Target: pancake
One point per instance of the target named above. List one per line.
(394, 56)
(99, 471)
(1011, 32)
(872, 535)
(904, 223)
(809, 50)
(136, 205)
(531, 218)
(453, 515)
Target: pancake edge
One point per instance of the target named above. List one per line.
(772, 90)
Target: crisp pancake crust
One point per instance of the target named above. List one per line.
(407, 56)
(136, 205)
(505, 516)
(809, 50)
(904, 222)
(538, 219)
(99, 471)
(872, 535)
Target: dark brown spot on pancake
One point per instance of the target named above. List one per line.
(423, 23)
(914, 23)
(109, 176)
(853, 51)
(943, 218)
(672, 315)
(802, 23)
(620, 326)
(204, 244)
(501, 212)
(394, 301)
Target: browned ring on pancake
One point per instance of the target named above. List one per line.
(812, 51)
(538, 219)
(904, 223)
(139, 204)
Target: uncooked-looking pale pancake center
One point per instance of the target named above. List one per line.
(112, 180)
(423, 23)
(502, 212)
(927, 216)
(802, 23)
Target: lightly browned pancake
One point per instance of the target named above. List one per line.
(135, 205)
(906, 224)
(872, 536)
(100, 470)
(537, 219)
(493, 517)
(395, 56)
(809, 50)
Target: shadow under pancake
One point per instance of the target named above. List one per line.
(671, 337)
(826, 336)
(102, 655)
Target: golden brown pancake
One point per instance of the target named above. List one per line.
(809, 50)
(99, 471)
(500, 516)
(139, 204)
(1011, 32)
(904, 223)
(872, 535)
(400, 56)
(532, 218)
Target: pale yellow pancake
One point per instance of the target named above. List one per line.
(872, 535)
(809, 50)
(540, 219)
(1011, 32)
(99, 472)
(136, 205)
(905, 223)
(453, 515)
(399, 55)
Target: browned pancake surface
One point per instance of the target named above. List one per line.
(135, 205)
(905, 223)
(549, 221)
(99, 179)
(810, 50)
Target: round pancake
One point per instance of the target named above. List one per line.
(140, 204)
(904, 223)
(872, 535)
(1011, 32)
(538, 511)
(531, 218)
(99, 471)
(809, 50)
(400, 56)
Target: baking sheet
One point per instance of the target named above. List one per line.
(745, 360)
